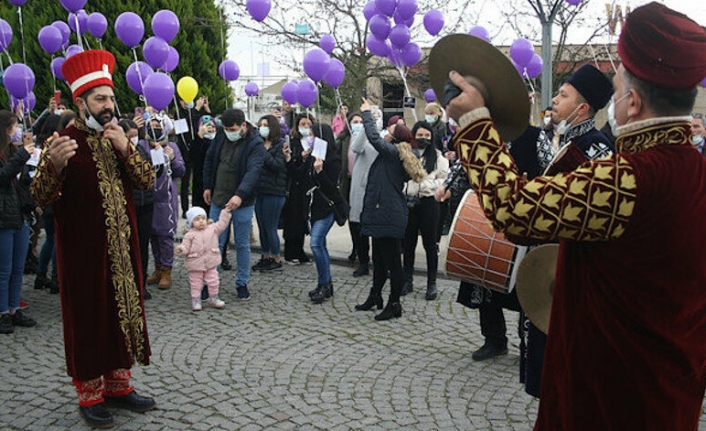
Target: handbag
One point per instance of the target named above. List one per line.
(340, 208)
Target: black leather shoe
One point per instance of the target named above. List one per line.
(407, 288)
(225, 265)
(132, 402)
(325, 293)
(361, 271)
(431, 292)
(315, 292)
(369, 303)
(393, 309)
(147, 295)
(489, 351)
(97, 416)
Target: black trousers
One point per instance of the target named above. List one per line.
(144, 224)
(361, 243)
(424, 219)
(387, 258)
(185, 188)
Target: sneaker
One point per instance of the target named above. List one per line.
(195, 304)
(272, 265)
(263, 262)
(21, 319)
(23, 305)
(292, 261)
(6, 326)
(243, 293)
(215, 301)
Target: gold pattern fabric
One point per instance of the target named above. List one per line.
(45, 188)
(675, 133)
(592, 203)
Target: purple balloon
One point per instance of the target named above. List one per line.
(521, 51)
(5, 35)
(158, 90)
(406, 9)
(336, 73)
(429, 95)
(399, 20)
(97, 24)
(50, 39)
(306, 92)
(377, 46)
(386, 7)
(433, 22)
(156, 51)
(258, 9)
(172, 60)
(28, 102)
(82, 17)
(251, 89)
(411, 54)
(399, 36)
(535, 65)
(165, 24)
(56, 67)
(19, 80)
(73, 50)
(370, 10)
(573, 2)
(229, 70)
(65, 32)
(519, 69)
(18, 2)
(316, 64)
(703, 82)
(480, 32)
(327, 43)
(73, 5)
(380, 26)
(136, 74)
(129, 28)
(289, 92)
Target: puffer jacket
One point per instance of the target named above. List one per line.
(273, 176)
(201, 246)
(11, 201)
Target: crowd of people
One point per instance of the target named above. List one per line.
(108, 190)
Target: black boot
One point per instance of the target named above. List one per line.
(408, 282)
(225, 265)
(54, 285)
(325, 293)
(374, 299)
(362, 270)
(97, 416)
(315, 292)
(41, 281)
(392, 309)
(431, 288)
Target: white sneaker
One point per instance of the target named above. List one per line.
(195, 304)
(215, 301)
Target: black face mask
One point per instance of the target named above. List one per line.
(423, 143)
(154, 134)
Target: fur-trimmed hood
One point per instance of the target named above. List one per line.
(411, 163)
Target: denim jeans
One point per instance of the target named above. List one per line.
(319, 230)
(242, 223)
(14, 244)
(267, 211)
(48, 251)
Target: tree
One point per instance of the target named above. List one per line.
(200, 45)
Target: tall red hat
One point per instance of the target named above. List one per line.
(663, 47)
(89, 69)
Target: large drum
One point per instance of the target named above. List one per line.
(475, 253)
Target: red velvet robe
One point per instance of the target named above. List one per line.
(626, 347)
(97, 253)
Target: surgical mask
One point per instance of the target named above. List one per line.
(356, 127)
(697, 139)
(547, 120)
(133, 140)
(92, 123)
(16, 137)
(565, 125)
(190, 105)
(264, 131)
(209, 136)
(58, 111)
(233, 136)
(423, 143)
(611, 115)
(431, 119)
(304, 131)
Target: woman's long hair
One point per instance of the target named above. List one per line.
(430, 150)
(275, 129)
(48, 128)
(295, 127)
(7, 120)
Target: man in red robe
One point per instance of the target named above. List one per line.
(626, 346)
(87, 174)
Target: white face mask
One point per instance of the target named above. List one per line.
(697, 140)
(133, 140)
(58, 111)
(547, 120)
(264, 131)
(565, 125)
(304, 131)
(209, 135)
(611, 115)
(357, 127)
(190, 105)
(92, 123)
(233, 136)
(431, 119)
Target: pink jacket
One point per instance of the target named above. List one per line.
(201, 246)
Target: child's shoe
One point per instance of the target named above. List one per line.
(215, 301)
(195, 304)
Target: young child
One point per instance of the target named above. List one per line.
(200, 246)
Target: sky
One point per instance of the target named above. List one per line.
(247, 50)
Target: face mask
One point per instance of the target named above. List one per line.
(190, 105)
(133, 140)
(233, 136)
(93, 124)
(431, 119)
(16, 137)
(155, 135)
(422, 143)
(611, 115)
(565, 125)
(209, 135)
(58, 111)
(384, 133)
(547, 120)
(357, 127)
(697, 139)
(304, 131)
(378, 123)
(264, 131)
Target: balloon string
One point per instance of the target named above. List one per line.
(100, 43)
(22, 35)
(139, 75)
(610, 57)
(9, 58)
(78, 31)
(85, 39)
(595, 59)
(318, 109)
(53, 77)
(339, 102)
(406, 87)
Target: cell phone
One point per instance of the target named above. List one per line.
(364, 93)
(139, 112)
(57, 97)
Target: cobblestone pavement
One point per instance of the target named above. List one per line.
(278, 362)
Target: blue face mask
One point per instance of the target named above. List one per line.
(431, 119)
(357, 127)
(233, 136)
(304, 131)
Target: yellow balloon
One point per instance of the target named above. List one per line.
(188, 88)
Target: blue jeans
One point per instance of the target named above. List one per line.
(242, 223)
(267, 210)
(319, 230)
(14, 244)
(48, 251)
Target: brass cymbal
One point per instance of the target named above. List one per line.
(535, 284)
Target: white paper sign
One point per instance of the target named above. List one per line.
(181, 126)
(157, 156)
(34, 158)
(320, 147)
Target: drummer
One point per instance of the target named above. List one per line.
(628, 321)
